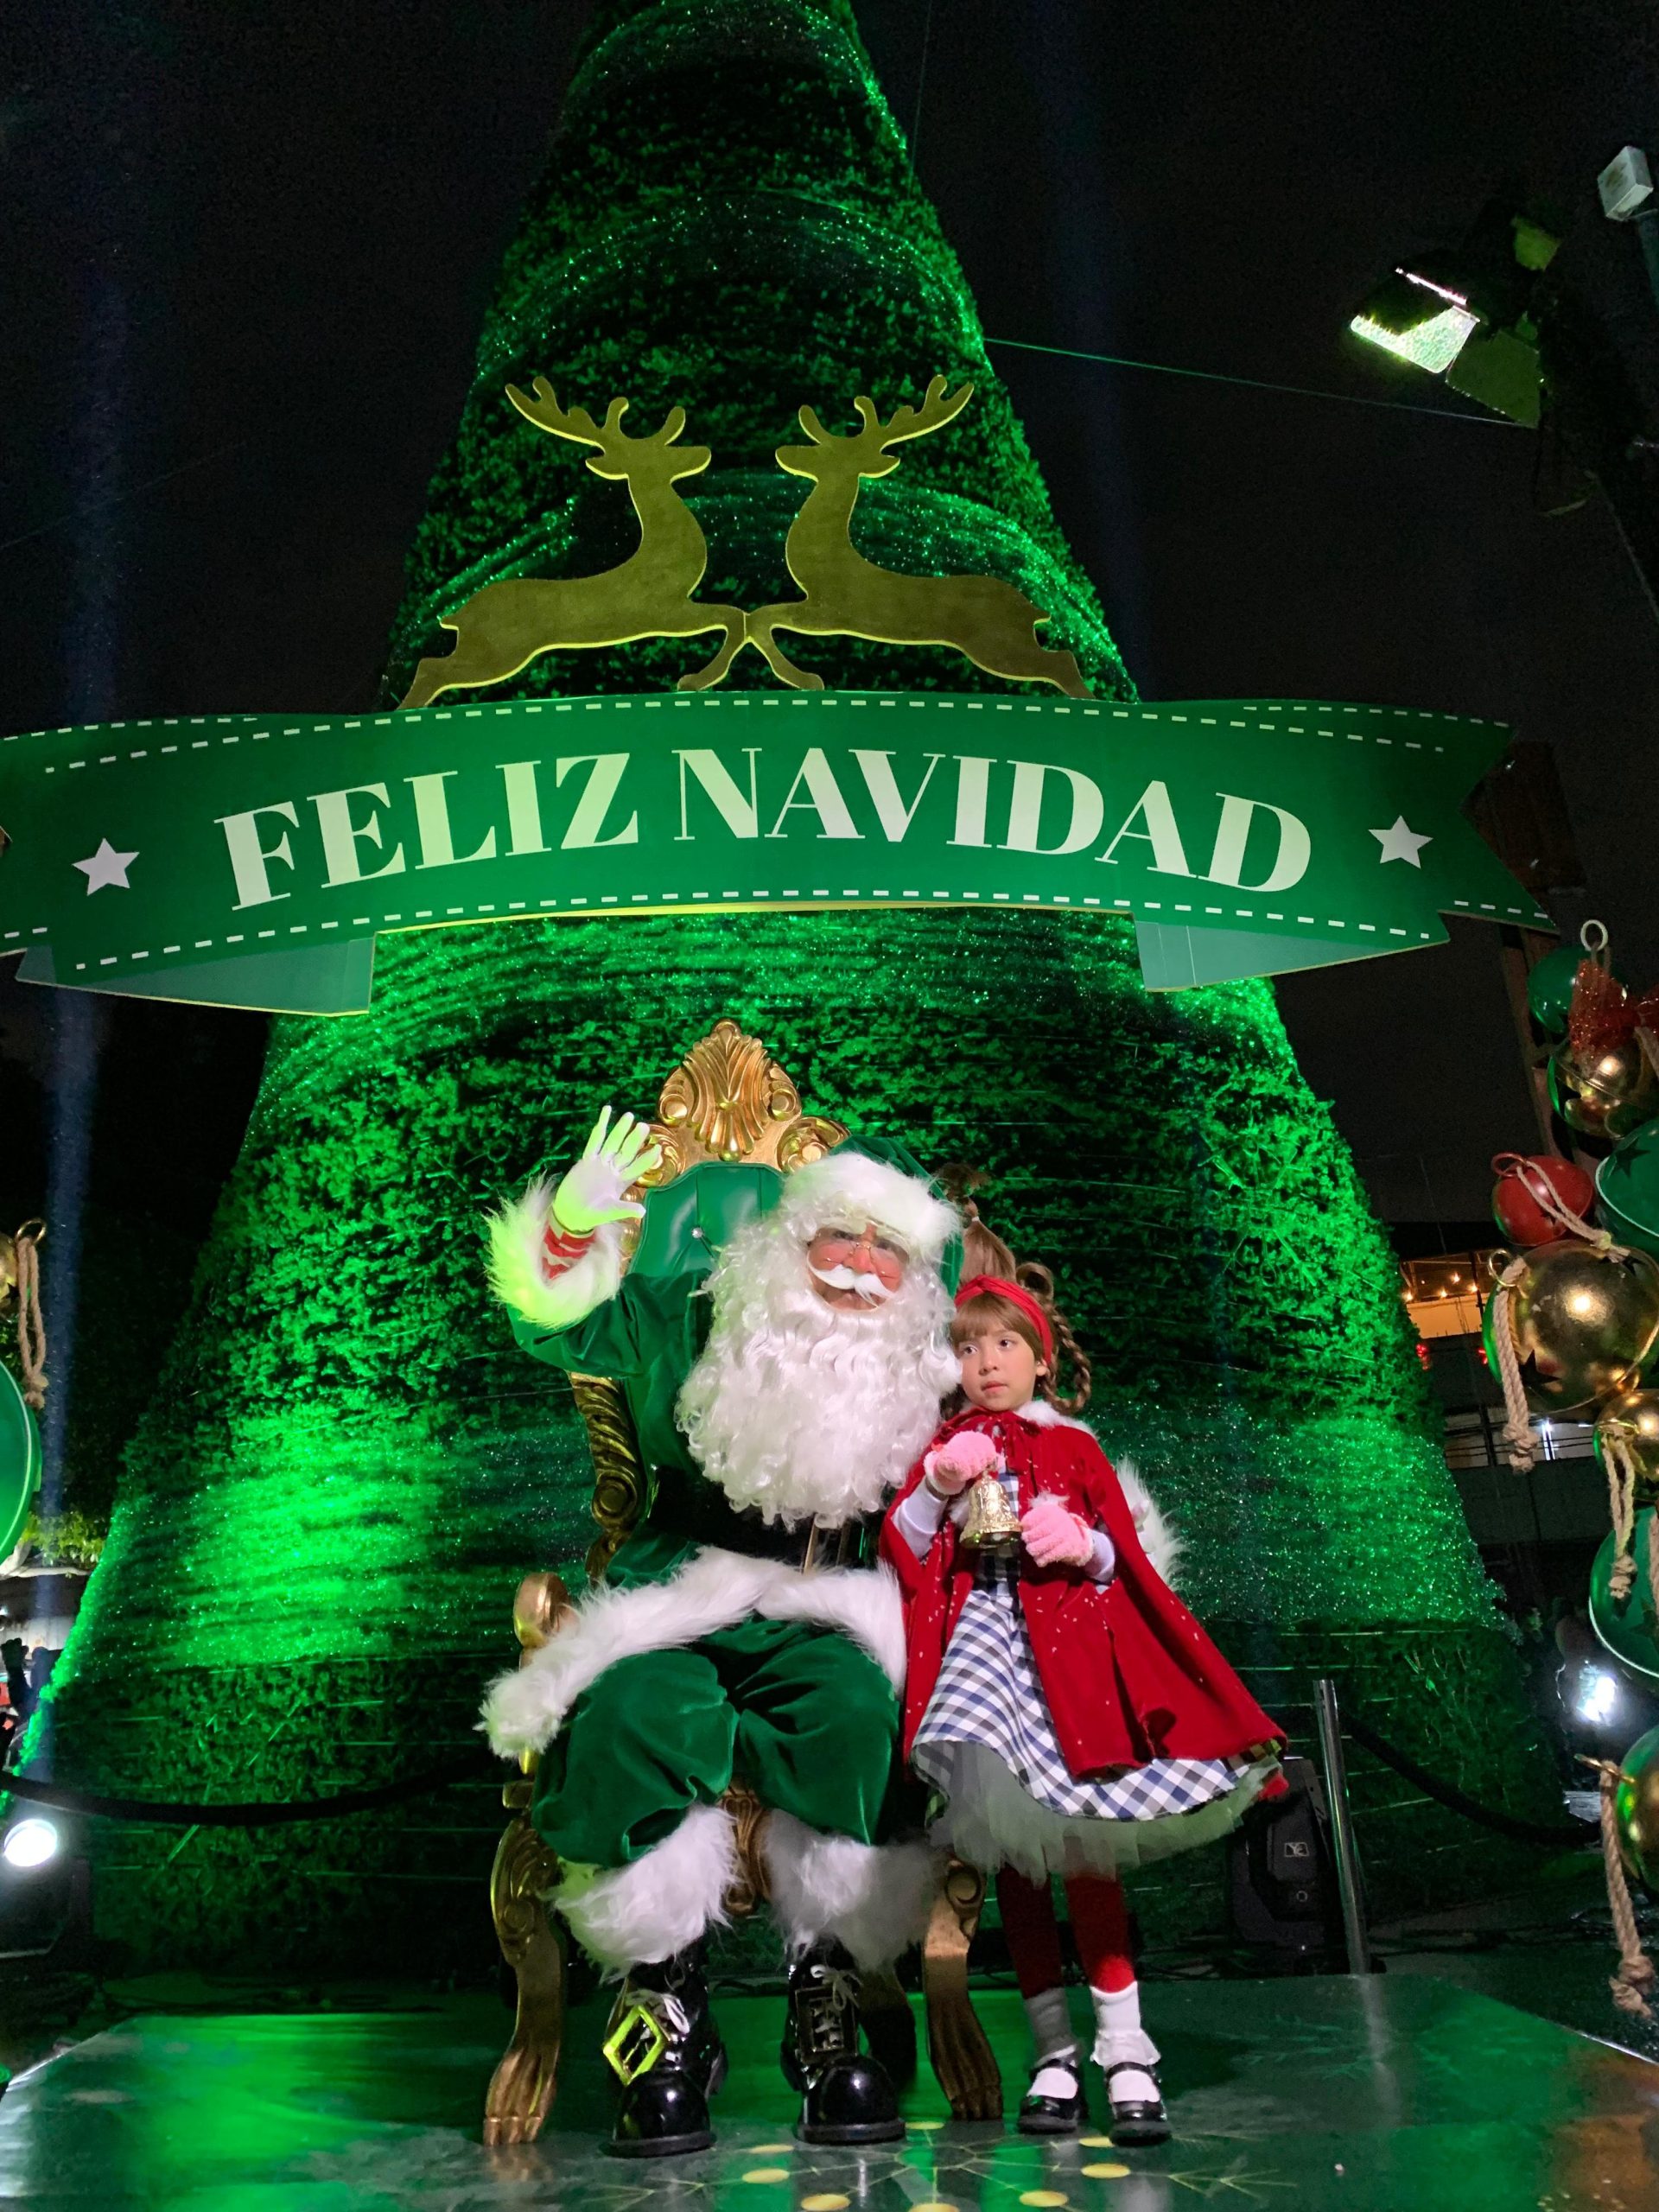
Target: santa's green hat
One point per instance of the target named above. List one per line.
(873, 1178)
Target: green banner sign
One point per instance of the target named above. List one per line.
(251, 860)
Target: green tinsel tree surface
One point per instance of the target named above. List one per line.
(347, 1467)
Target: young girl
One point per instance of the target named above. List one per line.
(1071, 1715)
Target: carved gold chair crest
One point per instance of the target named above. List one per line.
(727, 1101)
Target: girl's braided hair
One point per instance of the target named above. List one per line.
(984, 1253)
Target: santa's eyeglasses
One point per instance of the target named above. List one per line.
(845, 1241)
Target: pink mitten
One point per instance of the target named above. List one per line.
(961, 1460)
(1055, 1537)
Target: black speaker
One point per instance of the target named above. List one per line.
(1281, 1882)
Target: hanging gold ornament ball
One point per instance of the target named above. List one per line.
(1635, 1811)
(1634, 1419)
(1584, 1324)
(1616, 1074)
(1606, 1096)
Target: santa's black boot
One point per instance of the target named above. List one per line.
(665, 2049)
(846, 2096)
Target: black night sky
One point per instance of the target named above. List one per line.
(246, 253)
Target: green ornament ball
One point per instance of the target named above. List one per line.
(1627, 1190)
(1549, 988)
(1629, 1627)
(1635, 1811)
(20, 1461)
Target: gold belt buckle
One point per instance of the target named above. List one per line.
(626, 2056)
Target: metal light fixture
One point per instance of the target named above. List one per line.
(1464, 315)
(1417, 320)
(32, 1842)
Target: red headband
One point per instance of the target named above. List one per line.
(1016, 1294)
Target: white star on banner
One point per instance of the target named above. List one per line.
(106, 867)
(1401, 843)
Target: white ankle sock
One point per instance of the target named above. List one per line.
(1120, 2040)
(1052, 2039)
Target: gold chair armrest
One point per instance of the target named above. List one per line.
(540, 1610)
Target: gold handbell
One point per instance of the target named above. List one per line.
(992, 1526)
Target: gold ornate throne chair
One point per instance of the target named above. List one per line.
(727, 1104)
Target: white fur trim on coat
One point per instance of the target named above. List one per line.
(846, 1189)
(663, 1902)
(517, 1270)
(523, 1711)
(876, 1898)
(1162, 1542)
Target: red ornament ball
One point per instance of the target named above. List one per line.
(1521, 1183)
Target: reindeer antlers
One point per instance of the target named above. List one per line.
(577, 424)
(935, 412)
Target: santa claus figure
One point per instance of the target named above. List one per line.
(739, 1634)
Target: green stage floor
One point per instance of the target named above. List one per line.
(1401, 2091)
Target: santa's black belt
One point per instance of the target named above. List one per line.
(805, 1546)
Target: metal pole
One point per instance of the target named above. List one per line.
(1342, 1824)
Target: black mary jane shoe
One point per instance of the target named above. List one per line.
(663, 2047)
(1054, 2116)
(1136, 2121)
(846, 2097)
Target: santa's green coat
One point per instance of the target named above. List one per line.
(709, 1654)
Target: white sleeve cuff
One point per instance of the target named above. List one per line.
(518, 1271)
(917, 1518)
(1104, 1565)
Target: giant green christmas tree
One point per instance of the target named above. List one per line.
(347, 1465)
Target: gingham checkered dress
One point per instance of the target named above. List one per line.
(986, 1745)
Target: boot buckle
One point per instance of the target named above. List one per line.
(639, 2038)
(826, 2018)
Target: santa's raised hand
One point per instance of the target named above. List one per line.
(614, 1156)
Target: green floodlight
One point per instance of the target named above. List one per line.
(1417, 320)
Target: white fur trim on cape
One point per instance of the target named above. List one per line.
(1161, 1542)
(876, 1898)
(663, 1902)
(523, 1711)
(518, 1273)
(846, 1189)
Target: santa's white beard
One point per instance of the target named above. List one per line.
(807, 1410)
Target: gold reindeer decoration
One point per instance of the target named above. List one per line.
(847, 596)
(502, 628)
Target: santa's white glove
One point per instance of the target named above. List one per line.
(1055, 1537)
(962, 1459)
(591, 1193)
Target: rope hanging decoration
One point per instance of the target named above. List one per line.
(1518, 1446)
(31, 1321)
(1631, 1986)
(1621, 1503)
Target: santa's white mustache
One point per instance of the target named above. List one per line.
(869, 1286)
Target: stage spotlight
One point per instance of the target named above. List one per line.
(1466, 313)
(32, 1842)
(1598, 1697)
(1417, 320)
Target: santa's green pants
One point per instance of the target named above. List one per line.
(800, 1715)
(628, 1794)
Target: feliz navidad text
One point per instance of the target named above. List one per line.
(161, 842)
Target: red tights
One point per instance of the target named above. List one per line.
(1100, 1921)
